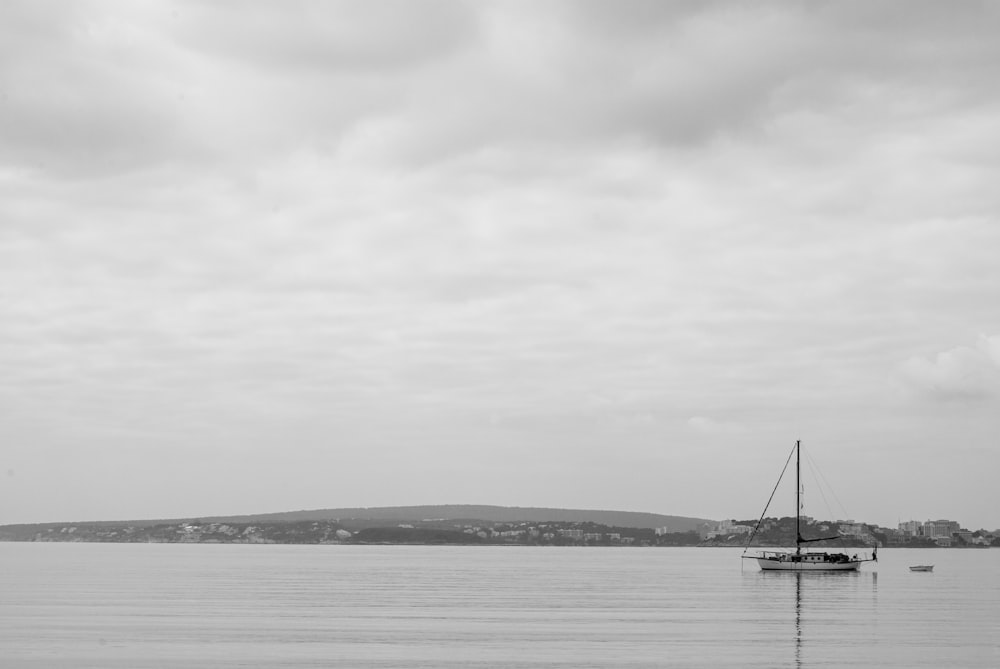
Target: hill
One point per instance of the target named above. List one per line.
(466, 512)
(493, 514)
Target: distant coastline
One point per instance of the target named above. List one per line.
(445, 524)
(473, 525)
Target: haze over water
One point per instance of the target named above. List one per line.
(158, 605)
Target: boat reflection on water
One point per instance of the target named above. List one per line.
(812, 604)
(798, 619)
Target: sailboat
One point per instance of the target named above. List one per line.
(799, 559)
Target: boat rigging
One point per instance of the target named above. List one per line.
(802, 560)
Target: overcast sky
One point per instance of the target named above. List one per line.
(261, 257)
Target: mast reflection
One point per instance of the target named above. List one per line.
(798, 620)
(815, 585)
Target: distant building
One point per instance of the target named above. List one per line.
(724, 529)
(853, 529)
(896, 536)
(940, 528)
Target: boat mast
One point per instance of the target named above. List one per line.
(798, 504)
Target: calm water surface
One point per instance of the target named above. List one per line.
(170, 605)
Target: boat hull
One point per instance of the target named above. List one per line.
(767, 564)
(809, 561)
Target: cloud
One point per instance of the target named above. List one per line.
(621, 223)
(327, 37)
(95, 91)
(961, 373)
(707, 425)
(86, 91)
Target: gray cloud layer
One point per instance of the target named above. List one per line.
(572, 254)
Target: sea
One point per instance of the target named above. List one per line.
(80, 605)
